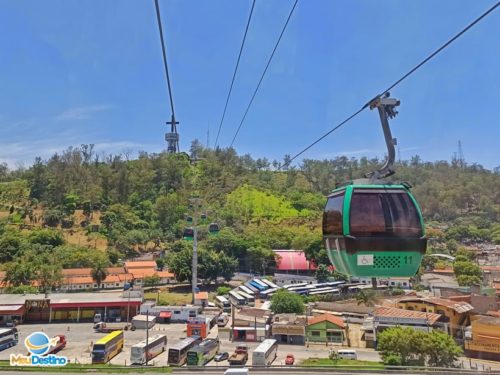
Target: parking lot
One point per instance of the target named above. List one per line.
(81, 336)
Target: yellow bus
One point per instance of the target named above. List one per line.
(106, 348)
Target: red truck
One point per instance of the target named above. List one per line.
(59, 344)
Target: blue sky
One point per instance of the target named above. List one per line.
(74, 72)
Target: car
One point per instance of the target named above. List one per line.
(290, 359)
(221, 356)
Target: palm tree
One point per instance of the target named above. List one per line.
(99, 272)
(366, 297)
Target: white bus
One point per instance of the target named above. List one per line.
(268, 293)
(246, 290)
(294, 285)
(223, 303)
(177, 354)
(155, 345)
(270, 283)
(265, 353)
(236, 298)
(8, 337)
(324, 291)
(250, 300)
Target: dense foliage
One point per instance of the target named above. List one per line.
(134, 205)
(410, 347)
(285, 302)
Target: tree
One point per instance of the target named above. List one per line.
(366, 297)
(441, 349)
(414, 347)
(152, 280)
(99, 271)
(405, 343)
(49, 276)
(160, 263)
(179, 264)
(50, 237)
(468, 280)
(284, 302)
(322, 273)
(223, 290)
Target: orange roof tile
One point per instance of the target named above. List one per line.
(140, 264)
(78, 280)
(328, 317)
(116, 270)
(201, 295)
(393, 312)
(76, 272)
(142, 272)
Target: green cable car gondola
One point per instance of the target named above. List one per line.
(188, 234)
(213, 228)
(373, 228)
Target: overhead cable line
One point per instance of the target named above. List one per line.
(164, 58)
(463, 31)
(234, 74)
(264, 72)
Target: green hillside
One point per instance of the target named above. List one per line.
(99, 209)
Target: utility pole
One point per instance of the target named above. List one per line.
(147, 337)
(194, 271)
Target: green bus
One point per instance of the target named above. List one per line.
(203, 353)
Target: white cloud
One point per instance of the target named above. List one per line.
(81, 113)
(16, 153)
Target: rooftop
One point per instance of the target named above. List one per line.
(289, 319)
(292, 260)
(55, 298)
(201, 295)
(338, 321)
(140, 264)
(393, 312)
(352, 308)
(458, 306)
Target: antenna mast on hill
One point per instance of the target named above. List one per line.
(171, 137)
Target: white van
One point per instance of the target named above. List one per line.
(347, 354)
(222, 320)
(236, 371)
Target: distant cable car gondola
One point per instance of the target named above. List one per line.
(188, 234)
(213, 228)
(189, 219)
(373, 228)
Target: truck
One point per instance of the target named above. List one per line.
(239, 357)
(57, 343)
(107, 328)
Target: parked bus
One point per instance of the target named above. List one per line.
(295, 285)
(8, 337)
(265, 353)
(324, 291)
(269, 283)
(223, 303)
(257, 285)
(155, 345)
(268, 293)
(177, 354)
(246, 290)
(203, 353)
(251, 287)
(236, 298)
(261, 283)
(106, 348)
(250, 300)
